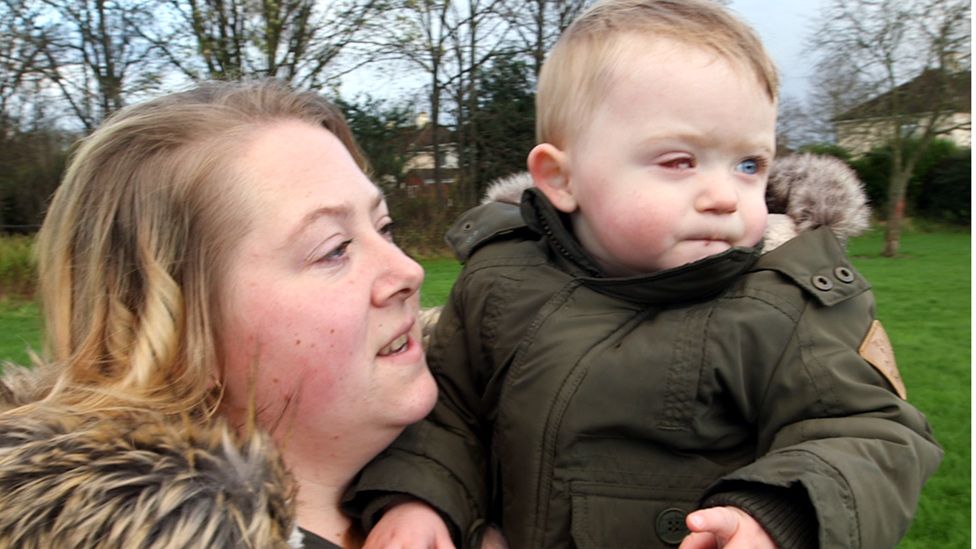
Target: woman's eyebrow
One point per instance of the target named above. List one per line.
(378, 198)
(342, 210)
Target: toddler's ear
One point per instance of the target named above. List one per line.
(550, 173)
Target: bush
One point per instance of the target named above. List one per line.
(827, 149)
(18, 272)
(946, 189)
(939, 188)
(421, 220)
(873, 169)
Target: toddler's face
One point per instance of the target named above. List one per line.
(673, 166)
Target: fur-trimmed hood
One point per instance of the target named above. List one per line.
(127, 478)
(805, 191)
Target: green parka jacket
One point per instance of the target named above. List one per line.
(577, 410)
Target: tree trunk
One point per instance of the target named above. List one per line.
(896, 212)
(435, 108)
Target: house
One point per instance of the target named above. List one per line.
(868, 125)
(418, 170)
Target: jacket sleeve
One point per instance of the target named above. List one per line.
(834, 437)
(442, 459)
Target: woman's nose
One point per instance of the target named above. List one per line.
(400, 276)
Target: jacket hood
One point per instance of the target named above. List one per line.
(138, 479)
(804, 192)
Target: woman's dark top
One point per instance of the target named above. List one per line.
(314, 541)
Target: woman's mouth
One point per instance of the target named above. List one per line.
(396, 346)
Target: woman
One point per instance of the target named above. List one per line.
(213, 256)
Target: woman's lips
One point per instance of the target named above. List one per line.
(396, 346)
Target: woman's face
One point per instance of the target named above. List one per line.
(320, 306)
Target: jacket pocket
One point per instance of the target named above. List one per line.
(606, 516)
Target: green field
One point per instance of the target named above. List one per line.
(19, 330)
(924, 302)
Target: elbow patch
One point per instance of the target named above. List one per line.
(877, 351)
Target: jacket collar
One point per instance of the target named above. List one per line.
(694, 281)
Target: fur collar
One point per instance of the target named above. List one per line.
(138, 479)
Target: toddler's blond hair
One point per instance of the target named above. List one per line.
(581, 66)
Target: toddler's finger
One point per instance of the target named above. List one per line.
(720, 521)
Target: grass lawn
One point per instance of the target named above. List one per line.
(440, 275)
(20, 329)
(924, 302)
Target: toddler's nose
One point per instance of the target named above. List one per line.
(718, 195)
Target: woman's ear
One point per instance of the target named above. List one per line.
(549, 167)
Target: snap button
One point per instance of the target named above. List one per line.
(844, 274)
(821, 282)
(671, 526)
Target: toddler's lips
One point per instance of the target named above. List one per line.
(710, 240)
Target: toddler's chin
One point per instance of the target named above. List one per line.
(697, 250)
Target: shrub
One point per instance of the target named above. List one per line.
(946, 190)
(422, 221)
(873, 168)
(827, 149)
(939, 188)
(18, 272)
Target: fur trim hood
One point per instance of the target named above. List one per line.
(136, 479)
(804, 192)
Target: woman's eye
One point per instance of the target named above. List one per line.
(387, 230)
(336, 253)
(751, 166)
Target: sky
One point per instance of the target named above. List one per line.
(784, 26)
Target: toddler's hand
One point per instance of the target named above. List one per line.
(493, 539)
(410, 525)
(725, 527)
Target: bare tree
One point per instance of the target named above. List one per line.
(29, 154)
(451, 41)
(19, 60)
(538, 23)
(797, 125)
(295, 40)
(93, 54)
(426, 30)
(482, 33)
(893, 72)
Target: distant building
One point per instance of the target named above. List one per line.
(418, 170)
(910, 105)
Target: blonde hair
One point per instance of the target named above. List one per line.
(135, 243)
(578, 70)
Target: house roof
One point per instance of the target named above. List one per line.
(916, 96)
(424, 137)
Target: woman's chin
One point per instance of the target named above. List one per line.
(422, 398)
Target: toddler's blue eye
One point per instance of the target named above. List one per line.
(750, 166)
